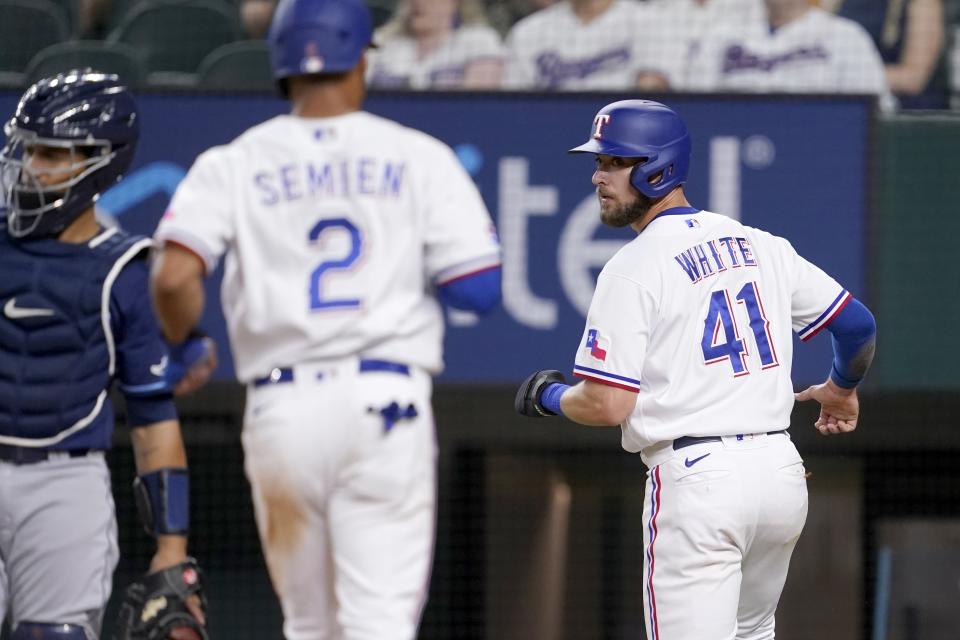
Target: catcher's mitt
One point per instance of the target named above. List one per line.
(155, 608)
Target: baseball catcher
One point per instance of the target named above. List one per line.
(164, 605)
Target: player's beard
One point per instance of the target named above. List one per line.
(627, 214)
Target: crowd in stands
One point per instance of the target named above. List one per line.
(903, 51)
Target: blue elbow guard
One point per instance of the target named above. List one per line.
(479, 292)
(163, 501)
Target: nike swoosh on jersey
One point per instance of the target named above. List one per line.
(12, 311)
(160, 368)
(690, 462)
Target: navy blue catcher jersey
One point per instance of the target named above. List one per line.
(74, 318)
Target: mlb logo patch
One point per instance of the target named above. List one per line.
(597, 344)
(693, 223)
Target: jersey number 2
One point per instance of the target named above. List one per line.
(317, 300)
(721, 318)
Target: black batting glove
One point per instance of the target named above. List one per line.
(527, 402)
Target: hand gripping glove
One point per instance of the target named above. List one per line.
(527, 401)
(155, 607)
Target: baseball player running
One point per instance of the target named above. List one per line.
(75, 318)
(336, 225)
(688, 348)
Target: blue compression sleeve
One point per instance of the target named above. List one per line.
(479, 292)
(550, 398)
(853, 333)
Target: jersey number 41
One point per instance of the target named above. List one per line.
(721, 318)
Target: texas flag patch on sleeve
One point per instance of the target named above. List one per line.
(597, 345)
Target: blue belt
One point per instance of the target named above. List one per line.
(687, 441)
(31, 455)
(285, 374)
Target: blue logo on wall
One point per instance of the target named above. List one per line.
(156, 177)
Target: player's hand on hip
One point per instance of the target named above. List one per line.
(839, 407)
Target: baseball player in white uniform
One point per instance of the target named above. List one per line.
(676, 30)
(431, 44)
(577, 45)
(802, 49)
(688, 348)
(336, 225)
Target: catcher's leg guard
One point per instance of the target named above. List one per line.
(48, 631)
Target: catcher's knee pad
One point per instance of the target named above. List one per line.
(48, 631)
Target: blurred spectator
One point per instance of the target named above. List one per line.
(953, 21)
(577, 45)
(436, 44)
(679, 27)
(92, 17)
(910, 37)
(503, 14)
(255, 16)
(804, 49)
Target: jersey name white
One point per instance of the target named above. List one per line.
(695, 314)
(328, 212)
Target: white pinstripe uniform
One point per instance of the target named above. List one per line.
(695, 315)
(817, 52)
(396, 62)
(552, 49)
(334, 231)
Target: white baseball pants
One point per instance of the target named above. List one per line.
(344, 501)
(721, 520)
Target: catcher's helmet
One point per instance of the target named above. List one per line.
(643, 129)
(318, 36)
(88, 113)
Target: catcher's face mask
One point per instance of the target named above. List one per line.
(39, 179)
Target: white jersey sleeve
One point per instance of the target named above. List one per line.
(521, 69)
(816, 298)
(863, 69)
(209, 229)
(460, 238)
(620, 321)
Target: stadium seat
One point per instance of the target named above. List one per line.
(238, 66)
(26, 27)
(68, 9)
(117, 58)
(174, 36)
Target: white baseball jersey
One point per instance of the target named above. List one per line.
(553, 49)
(817, 52)
(396, 63)
(695, 314)
(334, 230)
(677, 28)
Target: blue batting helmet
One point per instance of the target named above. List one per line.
(318, 36)
(643, 129)
(87, 113)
